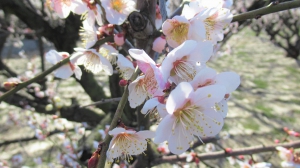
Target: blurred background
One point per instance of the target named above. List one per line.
(44, 124)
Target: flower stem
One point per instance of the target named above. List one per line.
(266, 10)
(114, 121)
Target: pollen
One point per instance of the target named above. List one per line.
(179, 32)
(209, 95)
(117, 5)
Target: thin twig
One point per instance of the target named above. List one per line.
(223, 154)
(103, 101)
(266, 10)
(43, 74)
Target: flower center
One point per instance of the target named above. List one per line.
(210, 24)
(179, 32)
(117, 5)
(108, 55)
(183, 69)
(150, 81)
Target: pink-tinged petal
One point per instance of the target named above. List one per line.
(78, 7)
(222, 108)
(178, 97)
(179, 140)
(203, 78)
(164, 128)
(149, 105)
(211, 123)
(77, 72)
(146, 134)
(230, 80)
(64, 72)
(202, 52)
(159, 44)
(61, 9)
(53, 56)
(208, 96)
(137, 94)
(143, 59)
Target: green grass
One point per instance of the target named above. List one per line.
(252, 125)
(267, 111)
(260, 83)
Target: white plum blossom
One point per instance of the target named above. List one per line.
(125, 67)
(148, 85)
(183, 63)
(208, 76)
(66, 70)
(190, 114)
(288, 158)
(109, 52)
(154, 106)
(64, 7)
(92, 60)
(208, 18)
(118, 10)
(126, 143)
(177, 30)
(88, 35)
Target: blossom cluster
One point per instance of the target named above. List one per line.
(188, 98)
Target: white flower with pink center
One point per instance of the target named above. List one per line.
(126, 143)
(177, 30)
(66, 70)
(117, 11)
(190, 114)
(209, 18)
(149, 85)
(183, 63)
(92, 60)
(208, 76)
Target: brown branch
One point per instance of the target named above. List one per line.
(222, 154)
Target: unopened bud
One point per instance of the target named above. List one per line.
(93, 161)
(49, 107)
(9, 85)
(228, 150)
(161, 99)
(241, 157)
(123, 82)
(106, 29)
(119, 39)
(276, 141)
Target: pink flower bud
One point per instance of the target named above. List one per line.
(286, 129)
(93, 161)
(276, 141)
(228, 150)
(241, 157)
(106, 29)
(9, 85)
(119, 39)
(159, 44)
(161, 99)
(294, 133)
(123, 82)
